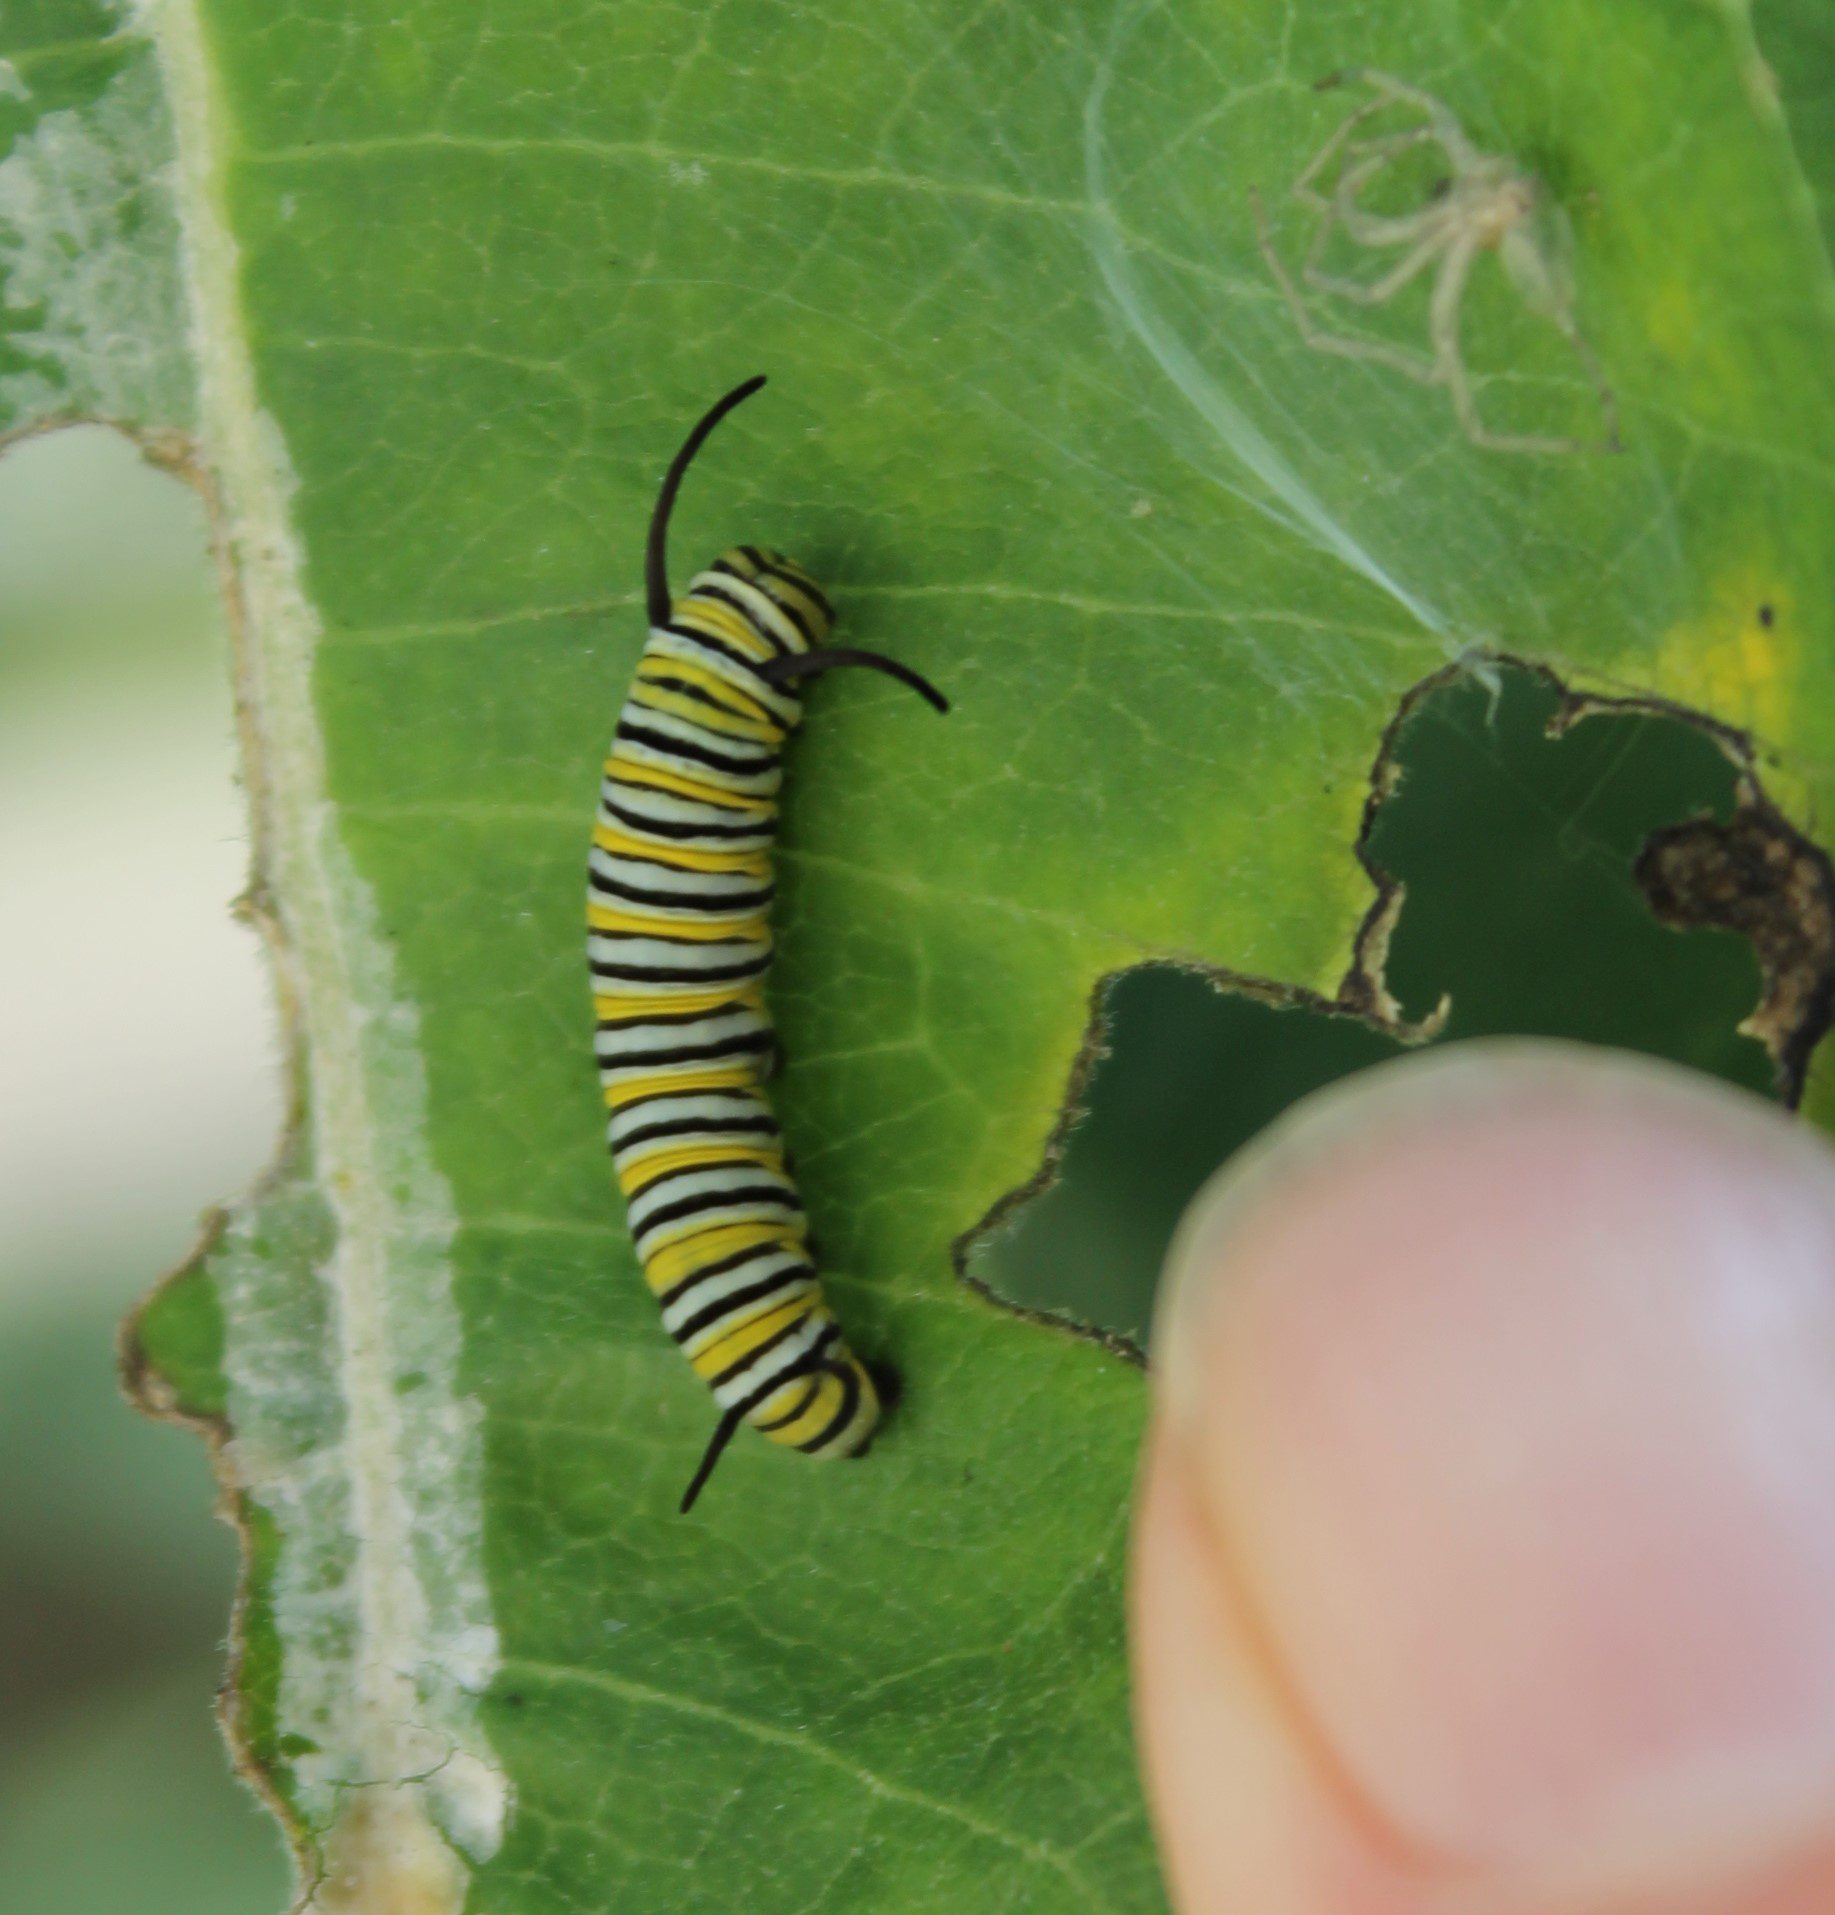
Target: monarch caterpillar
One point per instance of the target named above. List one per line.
(679, 942)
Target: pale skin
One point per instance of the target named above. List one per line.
(1484, 1556)
(1485, 204)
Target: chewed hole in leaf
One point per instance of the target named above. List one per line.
(1529, 837)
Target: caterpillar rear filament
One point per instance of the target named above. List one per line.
(679, 943)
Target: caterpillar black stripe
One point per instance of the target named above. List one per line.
(679, 943)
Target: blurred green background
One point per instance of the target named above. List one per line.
(141, 1084)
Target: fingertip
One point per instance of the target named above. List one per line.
(1247, 1815)
(1487, 1534)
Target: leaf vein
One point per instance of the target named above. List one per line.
(1041, 1854)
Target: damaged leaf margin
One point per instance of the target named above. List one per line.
(349, 1458)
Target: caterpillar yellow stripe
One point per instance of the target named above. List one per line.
(678, 943)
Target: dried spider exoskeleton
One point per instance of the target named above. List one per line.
(1483, 203)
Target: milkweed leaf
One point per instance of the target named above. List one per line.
(424, 296)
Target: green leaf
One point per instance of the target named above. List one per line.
(1515, 839)
(1797, 39)
(454, 283)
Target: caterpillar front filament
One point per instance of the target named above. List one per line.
(679, 942)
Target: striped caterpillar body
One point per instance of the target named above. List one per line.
(679, 942)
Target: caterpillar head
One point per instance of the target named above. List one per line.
(787, 602)
(778, 597)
